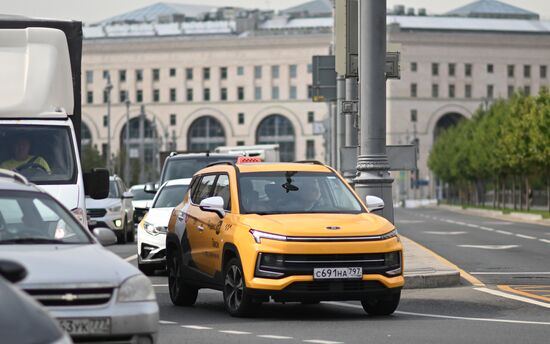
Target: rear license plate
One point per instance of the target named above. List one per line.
(337, 273)
(81, 326)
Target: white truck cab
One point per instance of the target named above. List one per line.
(37, 133)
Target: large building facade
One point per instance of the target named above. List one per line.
(248, 82)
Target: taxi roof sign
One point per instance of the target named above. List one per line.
(248, 159)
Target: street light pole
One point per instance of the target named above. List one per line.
(373, 177)
(107, 91)
(127, 145)
(141, 146)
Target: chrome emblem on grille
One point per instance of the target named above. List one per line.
(69, 297)
(333, 228)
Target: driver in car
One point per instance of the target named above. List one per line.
(22, 160)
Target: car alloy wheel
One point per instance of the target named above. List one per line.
(174, 276)
(234, 287)
(181, 293)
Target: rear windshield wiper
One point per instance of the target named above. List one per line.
(31, 241)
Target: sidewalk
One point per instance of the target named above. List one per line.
(424, 269)
(497, 214)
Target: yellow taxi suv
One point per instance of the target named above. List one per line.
(287, 232)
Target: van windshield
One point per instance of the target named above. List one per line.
(43, 154)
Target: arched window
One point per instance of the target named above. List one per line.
(445, 122)
(205, 134)
(85, 135)
(278, 129)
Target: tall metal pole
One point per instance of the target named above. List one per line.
(350, 139)
(107, 90)
(141, 147)
(340, 119)
(127, 143)
(373, 177)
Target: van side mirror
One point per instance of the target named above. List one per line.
(150, 188)
(12, 271)
(214, 205)
(96, 183)
(374, 203)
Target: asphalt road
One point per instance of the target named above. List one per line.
(464, 314)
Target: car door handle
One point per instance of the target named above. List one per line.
(200, 228)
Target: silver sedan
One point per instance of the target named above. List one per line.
(91, 291)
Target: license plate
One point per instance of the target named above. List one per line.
(337, 273)
(86, 326)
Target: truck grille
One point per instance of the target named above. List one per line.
(96, 212)
(71, 297)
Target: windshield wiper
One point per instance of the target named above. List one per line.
(31, 241)
(270, 213)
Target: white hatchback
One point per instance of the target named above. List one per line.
(151, 232)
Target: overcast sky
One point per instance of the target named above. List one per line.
(91, 11)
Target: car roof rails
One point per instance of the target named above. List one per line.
(13, 175)
(314, 162)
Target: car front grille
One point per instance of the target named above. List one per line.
(303, 264)
(334, 286)
(96, 212)
(72, 297)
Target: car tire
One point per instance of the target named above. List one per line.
(130, 232)
(238, 302)
(122, 236)
(181, 293)
(381, 304)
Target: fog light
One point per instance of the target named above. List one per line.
(118, 223)
(267, 261)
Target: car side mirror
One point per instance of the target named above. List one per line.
(12, 271)
(105, 236)
(96, 183)
(213, 204)
(127, 194)
(150, 188)
(374, 203)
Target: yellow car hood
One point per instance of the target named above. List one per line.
(329, 225)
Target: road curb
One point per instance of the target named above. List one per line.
(496, 214)
(432, 280)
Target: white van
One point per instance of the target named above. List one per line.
(37, 135)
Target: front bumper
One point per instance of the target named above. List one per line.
(113, 221)
(129, 320)
(151, 248)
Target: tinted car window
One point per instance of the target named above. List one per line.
(141, 195)
(170, 196)
(204, 189)
(113, 190)
(222, 190)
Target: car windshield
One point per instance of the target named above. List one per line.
(140, 194)
(43, 154)
(295, 192)
(170, 196)
(186, 168)
(33, 218)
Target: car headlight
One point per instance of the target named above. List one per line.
(152, 229)
(389, 235)
(258, 236)
(80, 215)
(136, 288)
(114, 209)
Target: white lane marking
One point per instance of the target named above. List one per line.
(451, 316)
(490, 247)
(166, 322)
(444, 233)
(545, 240)
(525, 236)
(271, 336)
(472, 225)
(497, 223)
(129, 259)
(460, 223)
(503, 232)
(320, 341)
(195, 327)
(450, 221)
(160, 285)
(234, 332)
(487, 228)
(510, 273)
(514, 297)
